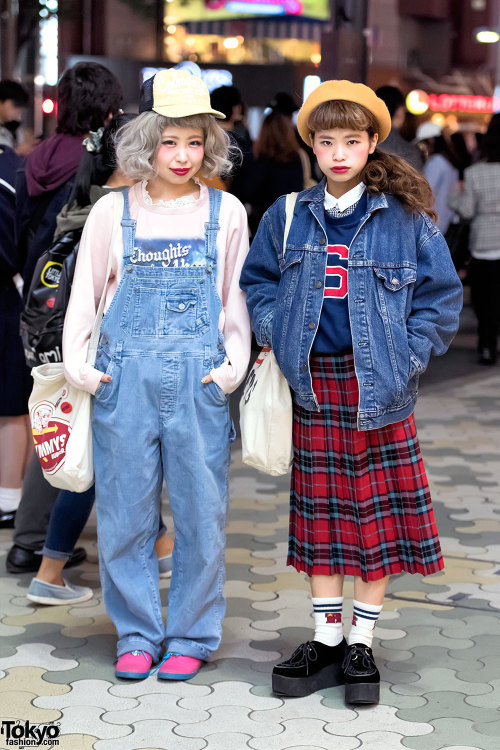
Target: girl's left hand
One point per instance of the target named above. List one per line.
(207, 379)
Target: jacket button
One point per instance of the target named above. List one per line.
(304, 366)
(312, 326)
(322, 241)
(319, 284)
(395, 281)
(129, 269)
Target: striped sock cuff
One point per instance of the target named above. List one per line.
(329, 609)
(328, 620)
(365, 614)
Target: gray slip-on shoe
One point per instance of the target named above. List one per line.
(165, 566)
(42, 592)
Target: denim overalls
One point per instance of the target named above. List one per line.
(156, 419)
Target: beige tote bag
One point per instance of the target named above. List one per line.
(266, 411)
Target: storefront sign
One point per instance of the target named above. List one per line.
(182, 11)
(265, 7)
(418, 102)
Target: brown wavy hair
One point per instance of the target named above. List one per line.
(383, 173)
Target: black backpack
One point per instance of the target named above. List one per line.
(42, 319)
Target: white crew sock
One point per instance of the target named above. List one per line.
(364, 619)
(9, 499)
(328, 620)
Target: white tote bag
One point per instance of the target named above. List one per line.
(266, 411)
(61, 414)
(266, 417)
(60, 417)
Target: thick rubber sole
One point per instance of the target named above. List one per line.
(298, 687)
(132, 675)
(362, 692)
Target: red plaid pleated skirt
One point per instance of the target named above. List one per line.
(360, 500)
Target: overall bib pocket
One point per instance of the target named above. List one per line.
(181, 314)
(172, 311)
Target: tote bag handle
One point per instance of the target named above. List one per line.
(291, 199)
(94, 338)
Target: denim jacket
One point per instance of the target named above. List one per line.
(404, 299)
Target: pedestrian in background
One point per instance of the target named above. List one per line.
(363, 295)
(395, 143)
(16, 442)
(440, 169)
(478, 200)
(88, 95)
(97, 176)
(13, 99)
(228, 101)
(276, 168)
(174, 342)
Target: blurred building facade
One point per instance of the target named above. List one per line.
(423, 45)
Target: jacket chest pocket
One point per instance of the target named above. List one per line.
(393, 288)
(290, 267)
(165, 312)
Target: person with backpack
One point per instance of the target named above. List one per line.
(174, 342)
(97, 175)
(88, 96)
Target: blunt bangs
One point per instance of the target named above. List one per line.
(342, 114)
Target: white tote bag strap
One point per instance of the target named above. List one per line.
(117, 216)
(291, 199)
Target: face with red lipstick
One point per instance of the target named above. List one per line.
(342, 155)
(178, 159)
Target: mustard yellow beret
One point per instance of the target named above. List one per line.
(349, 92)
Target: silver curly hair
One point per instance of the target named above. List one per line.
(138, 141)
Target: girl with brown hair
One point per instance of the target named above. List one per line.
(354, 305)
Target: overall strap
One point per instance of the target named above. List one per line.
(128, 226)
(212, 226)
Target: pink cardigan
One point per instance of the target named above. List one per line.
(167, 221)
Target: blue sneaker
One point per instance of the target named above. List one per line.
(42, 592)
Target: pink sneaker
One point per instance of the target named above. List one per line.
(178, 667)
(134, 665)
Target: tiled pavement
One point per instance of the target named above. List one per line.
(437, 643)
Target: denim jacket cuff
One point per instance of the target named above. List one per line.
(265, 331)
(415, 365)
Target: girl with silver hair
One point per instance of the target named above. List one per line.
(174, 343)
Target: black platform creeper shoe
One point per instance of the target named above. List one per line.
(362, 678)
(311, 667)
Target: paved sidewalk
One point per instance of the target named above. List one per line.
(437, 642)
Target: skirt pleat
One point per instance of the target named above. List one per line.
(360, 500)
